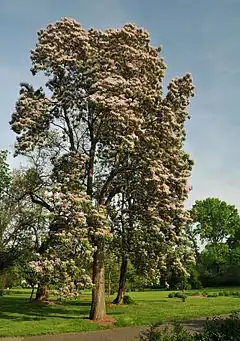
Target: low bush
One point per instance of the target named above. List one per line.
(213, 294)
(171, 295)
(161, 333)
(196, 293)
(128, 300)
(184, 297)
(179, 295)
(205, 293)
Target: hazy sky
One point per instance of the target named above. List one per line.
(201, 37)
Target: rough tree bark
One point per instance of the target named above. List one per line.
(122, 281)
(42, 292)
(98, 307)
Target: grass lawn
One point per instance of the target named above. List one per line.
(18, 317)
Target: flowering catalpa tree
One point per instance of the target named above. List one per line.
(149, 215)
(103, 103)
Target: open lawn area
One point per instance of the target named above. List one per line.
(19, 317)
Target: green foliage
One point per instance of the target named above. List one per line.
(214, 294)
(186, 282)
(128, 300)
(134, 281)
(217, 225)
(195, 293)
(181, 295)
(178, 295)
(112, 268)
(215, 219)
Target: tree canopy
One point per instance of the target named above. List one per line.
(215, 219)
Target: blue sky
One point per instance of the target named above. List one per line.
(201, 37)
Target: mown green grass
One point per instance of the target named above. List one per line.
(18, 317)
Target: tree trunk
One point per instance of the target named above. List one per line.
(42, 293)
(32, 292)
(98, 307)
(122, 281)
(109, 282)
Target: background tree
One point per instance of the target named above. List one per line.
(217, 225)
(22, 227)
(215, 220)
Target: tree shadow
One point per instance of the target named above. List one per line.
(153, 301)
(198, 324)
(20, 309)
(194, 324)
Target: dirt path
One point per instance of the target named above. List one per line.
(116, 334)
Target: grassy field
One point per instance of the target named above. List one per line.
(18, 317)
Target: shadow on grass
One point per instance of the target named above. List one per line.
(20, 309)
(197, 324)
(153, 301)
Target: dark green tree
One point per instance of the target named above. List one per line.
(214, 220)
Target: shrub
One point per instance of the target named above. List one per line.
(156, 333)
(180, 295)
(188, 286)
(171, 295)
(213, 294)
(226, 293)
(220, 293)
(196, 293)
(184, 297)
(128, 300)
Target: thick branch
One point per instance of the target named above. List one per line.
(39, 201)
(106, 186)
(70, 131)
(90, 169)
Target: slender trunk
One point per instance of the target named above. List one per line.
(195, 246)
(32, 293)
(42, 293)
(122, 281)
(98, 307)
(109, 282)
